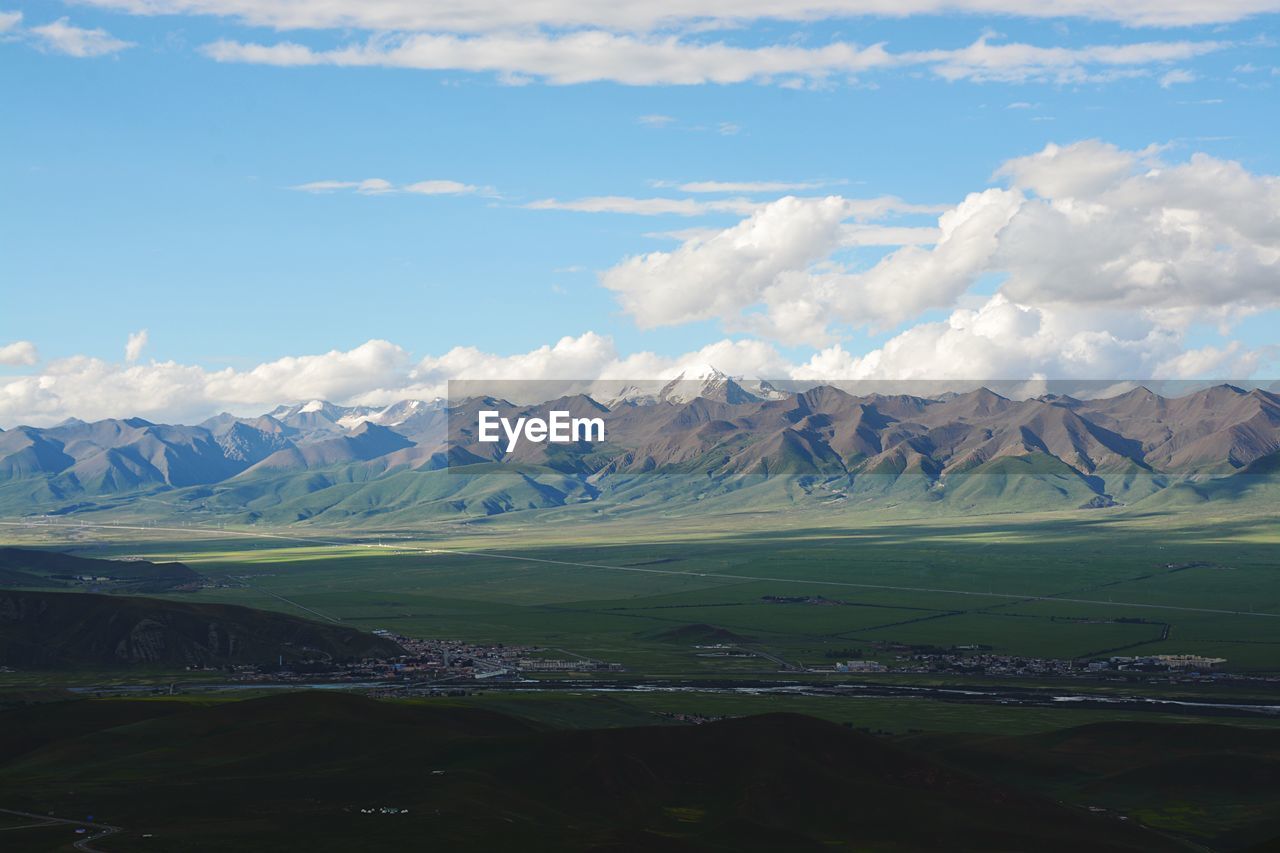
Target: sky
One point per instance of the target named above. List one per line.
(229, 204)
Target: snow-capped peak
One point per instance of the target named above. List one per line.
(393, 415)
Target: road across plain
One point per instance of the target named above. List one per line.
(1007, 596)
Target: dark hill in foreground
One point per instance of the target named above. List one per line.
(31, 567)
(1215, 784)
(64, 629)
(296, 771)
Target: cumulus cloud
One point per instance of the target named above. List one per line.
(643, 15)
(661, 59)
(61, 36)
(1086, 225)
(999, 340)
(766, 259)
(92, 388)
(594, 356)
(724, 274)
(1002, 338)
(134, 346)
(19, 353)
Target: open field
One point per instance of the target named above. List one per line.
(1155, 751)
(1070, 586)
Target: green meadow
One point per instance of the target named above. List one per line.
(1062, 586)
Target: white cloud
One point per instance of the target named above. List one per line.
(1081, 227)
(134, 346)
(722, 275)
(857, 208)
(1176, 77)
(655, 120)
(1183, 241)
(9, 21)
(578, 57)
(646, 15)
(646, 206)
(1082, 169)
(1004, 339)
(750, 186)
(888, 235)
(62, 37)
(325, 186)
(440, 187)
(92, 388)
(647, 60)
(19, 353)
(381, 186)
(768, 258)
(984, 62)
(999, 339)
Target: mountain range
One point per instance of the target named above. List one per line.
(715, 442)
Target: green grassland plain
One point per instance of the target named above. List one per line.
(1070, 585)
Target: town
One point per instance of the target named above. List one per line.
(433, 661)
(445, 662)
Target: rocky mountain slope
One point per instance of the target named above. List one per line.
(735, 444)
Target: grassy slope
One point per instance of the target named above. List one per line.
(294, 771)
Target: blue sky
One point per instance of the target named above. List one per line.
(152, 182)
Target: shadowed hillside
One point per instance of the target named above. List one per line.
(296, 771)
(27, 567)
(64, 629)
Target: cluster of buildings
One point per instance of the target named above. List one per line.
(689, 718)
(978, 660)
(861, 666)
(431, 660)
(1158, 663)
(987, 663)
(579, 665)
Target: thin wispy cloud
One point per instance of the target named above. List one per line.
(1177, 77)
(749, 186)
(649, 15)
(61, 36)
(381, 186)
(646, 206)
(134, 346)
(585, 57)
(860, 209)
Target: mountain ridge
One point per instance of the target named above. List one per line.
(821, 442)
